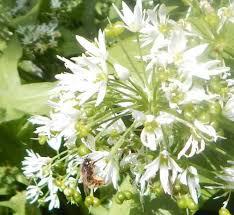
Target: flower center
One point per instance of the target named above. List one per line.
(164, 28)
(101, 77)
(177, 58)
(150, 126)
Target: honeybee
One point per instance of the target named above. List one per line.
(89, 178)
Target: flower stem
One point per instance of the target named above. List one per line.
(121, 140)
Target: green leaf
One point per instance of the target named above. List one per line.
(32, 98)
(30, 17)
(69, 45)
(19, 205)
(9, 77)
(202, 27)
(16, 99)
(25, 99)
(16, 203)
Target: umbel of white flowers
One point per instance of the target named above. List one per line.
(151, 114)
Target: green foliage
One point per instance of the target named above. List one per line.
(18, 205)
(16, 99)
(21, 66)
(136, 206)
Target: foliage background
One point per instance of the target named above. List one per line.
(32, 33)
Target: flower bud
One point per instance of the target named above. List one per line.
(114, 30)
(42, 139)
(83, 150)
(224, 211)
(89, 201)
(128, 195)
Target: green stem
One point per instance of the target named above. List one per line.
(132, 64)
(121, 140)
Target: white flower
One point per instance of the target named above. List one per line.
(178, 52)
(45, 122)
(34, 165)
(157, 28)
(228, 174)
(134, 20)
(196, 143)
(226, 14)
(203, 70)
(47, 128)
(33, 193)
(196, 95)
(152, 134)
(53, 201)
(168, 170)
(189, 177)
(106, 166)
(228, 110)
(52, 197)
(122, 72)
(193, 144)
(206, 129)
(97, 50)
(89, 79)
(129, 159)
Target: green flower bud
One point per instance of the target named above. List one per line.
(181, 203)
(188, 115)
(68, 192)
(215, 85)
(118, 201)
(224, 91)
(42, 139)
(58, 182)
(215, 108)
(76, 197)
(188, 112)
(191, 204)
(204, 117)
(157, 188)
(128, 195)
(121, 196)
(96, 202)
(114, 30)
(89, 201)
(83, 150)
(224, 211)
(82, 129)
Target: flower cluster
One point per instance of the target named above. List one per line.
(147, 115)
(41, 37)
